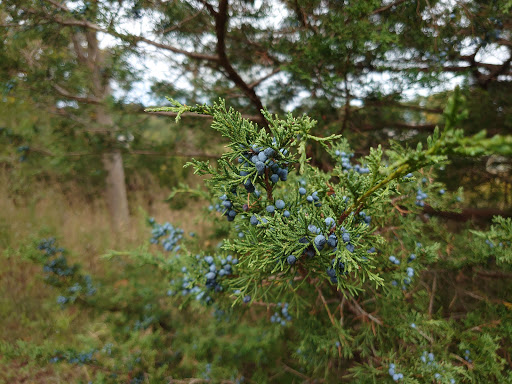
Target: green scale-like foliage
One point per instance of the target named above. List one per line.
(398, 297)
(326, 286)
(343, 195)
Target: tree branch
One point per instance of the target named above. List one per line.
(175, 154)
(209, 7)
(73, 22)
(502, 70)
(399, 125)
(254, 118)
(181, 23)
(354, 305)
(386, 7)
(301, 15)
(432, 296)
(403, 106)
(221, 22)
(469, 213)
(255, 83)
(82, 99)
(167, 47)
(78, 49)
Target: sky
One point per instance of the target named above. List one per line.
(159, 65)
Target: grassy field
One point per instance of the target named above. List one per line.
(29, 314)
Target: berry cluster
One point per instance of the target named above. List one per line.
(346, 164)
(393, 374)
(313, 198)
(420, 196)
(212, 271)
(24, 149)
(281, 317)
(207, 371)
(263, 166)
(62, 275)
(73, 357)
(171, 234)
(227, 208)
(338, 267)
(218, 271)
(466, 356)
(76, 289)
(394, 260)
(60, 267)
(366, 219)
(263, 161)
(500, 244)
(429, 360)
(326, 237)
(409, 270)
(186, 287)
(144, 323)
(48, 246)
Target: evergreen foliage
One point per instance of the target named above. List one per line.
(320, 275)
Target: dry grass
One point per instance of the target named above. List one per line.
(27, 307)
(81, 225)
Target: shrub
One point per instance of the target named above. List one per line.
(321, 275)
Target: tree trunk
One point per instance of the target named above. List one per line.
(117, 200)
(116, 189)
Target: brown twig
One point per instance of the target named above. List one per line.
(221, 24)
(359, 310)
(432, 295)
(386, 7)
(268, 187)
(297, 373)
(325, 305)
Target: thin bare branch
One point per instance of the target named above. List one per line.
(386, 7)
(174, 154)
(296, 373)
(209, 7)
(393, 104)
(82, 99)
(58, 5)
(221, 23)
(469, 213)
(432, 296)
(255, 83)
(181, 23)
(80, 54)
(254, 118)
(355, 306)
(326, 306)
(71, 21)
